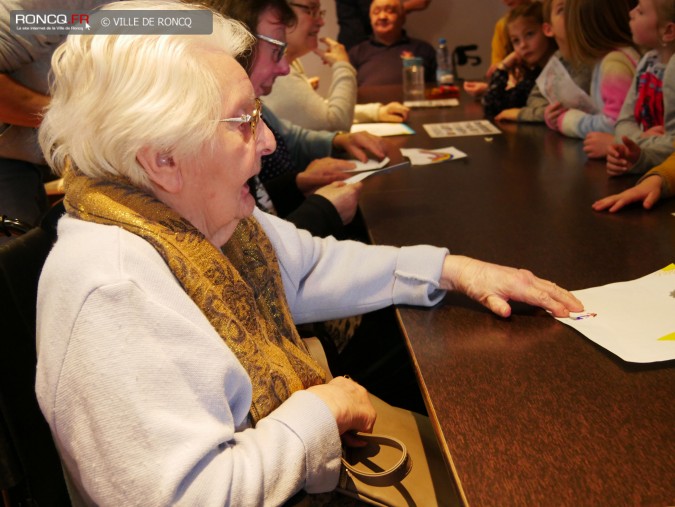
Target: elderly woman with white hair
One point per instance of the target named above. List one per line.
(169, 368)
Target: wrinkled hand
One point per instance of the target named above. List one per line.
(394, 112)
(321, 172)
(508, 114)
(621, 157)
(648, 191)
(475, 88)
(552, 113)
(349, 403)
(344, 197)
(596, 144)
(360, 144)
(493, 286)
(334, 52)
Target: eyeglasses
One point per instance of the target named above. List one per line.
(252, 119)
(314, 11)
(279, 50)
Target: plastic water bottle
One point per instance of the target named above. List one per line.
(443, 64)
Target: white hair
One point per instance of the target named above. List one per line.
(115, 94)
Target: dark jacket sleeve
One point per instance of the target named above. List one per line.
(314, 213)
(317, 215)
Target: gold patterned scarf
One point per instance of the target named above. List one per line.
(239, 290)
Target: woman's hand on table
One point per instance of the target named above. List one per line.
(394, 112)
(493, 286)
(648, 191)
(360, 144)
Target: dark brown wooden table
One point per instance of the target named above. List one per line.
(529, 411)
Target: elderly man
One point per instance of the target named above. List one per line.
(378, 59)
(353, 18)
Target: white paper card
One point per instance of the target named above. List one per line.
(368, 165)
(364, 174)
(556, 85)
(419, 156)
(383, 129)
(461, 128)
(432, 103)
(634, 320)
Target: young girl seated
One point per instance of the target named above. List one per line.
(501, 47)
(648, 113)
(514, 77)
(598, 34)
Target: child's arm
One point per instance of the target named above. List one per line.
(657, 183)
(610, 86)
(621, 157)
(627, 125)
(496, 97)
(656, 148)
(533, 112)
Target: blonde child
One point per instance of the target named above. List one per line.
(648, 113)
(597, 34)
(531, 50)
(501, 47)
(554, 26)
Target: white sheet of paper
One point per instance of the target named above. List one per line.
(419, 156)
(432, 103)
(461, 128)
(556, 85)
(383, 129)
(634, 320)
(364, 174)
(368, 165)
(360, 176)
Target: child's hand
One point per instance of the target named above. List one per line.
(596, 144)
(621, 157)
(511, 60)
(648, 191)
(491, 70)
(508, 114)
(552, 113)
(659, 130)
(475, 88)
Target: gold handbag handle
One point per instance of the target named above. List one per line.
(388, 477)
